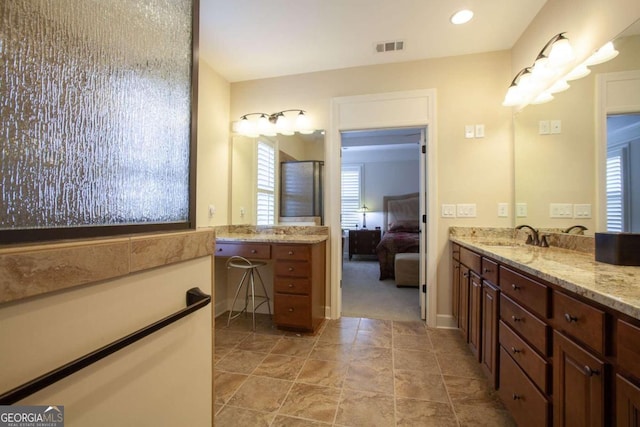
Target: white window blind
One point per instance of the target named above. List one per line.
(265, 184)
(615, 190)
(351, 195)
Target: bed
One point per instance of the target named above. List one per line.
(401, 232)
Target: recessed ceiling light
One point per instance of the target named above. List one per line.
(462, 17)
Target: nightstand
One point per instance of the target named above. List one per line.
(363, 242)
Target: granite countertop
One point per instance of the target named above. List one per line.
(617, 287)
(272, 234)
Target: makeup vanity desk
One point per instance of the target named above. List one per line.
(299, 263)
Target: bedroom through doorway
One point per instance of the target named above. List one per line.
(381, 197)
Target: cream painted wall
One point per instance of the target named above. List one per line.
(213, 147)
(469, 91)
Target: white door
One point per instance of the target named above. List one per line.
(422, 291)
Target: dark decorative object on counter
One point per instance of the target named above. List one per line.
(618, 248)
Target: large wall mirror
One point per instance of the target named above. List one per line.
(253, 159)
(558, 165)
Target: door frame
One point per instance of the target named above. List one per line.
(414, 108)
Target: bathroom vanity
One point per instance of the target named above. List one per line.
(557, 333)
(299, 264)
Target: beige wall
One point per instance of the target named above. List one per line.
(213, 147)
(469, 91)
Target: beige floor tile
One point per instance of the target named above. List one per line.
(233, 417)
(293, 347)
(423, 361)
(369, 378)
(409, 328)
(484, 416)
(338, 336)
(361, 408)
(376, 356)
(226, 384)
(261, 394)
(470, 391)
(240, 361)
(412, 413)
(259, 343)
(412, 342)
(460, 365)
(327, 373)
(331, 351)
(374, 338)
(344, 323)
(285, 421)
(375, 325)
(279, 366)
(420, 385)
(312, 402)
(229, 338)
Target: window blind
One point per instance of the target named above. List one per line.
(351, 195)
(615, 189)
(265, 184)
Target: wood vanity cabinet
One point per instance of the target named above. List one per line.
(299, 285)
(555, 357)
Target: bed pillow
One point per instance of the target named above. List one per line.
(408, 225)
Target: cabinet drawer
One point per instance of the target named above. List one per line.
(527, 405)
(292, 285)
(628, 348)
(292, 269)
(247, 250)
(579, 320)
(529, 293)
(470, 259)
(490, 270)
(455, 251)
(292, 310)
(295, 252)
(532, 329)
(526, 357)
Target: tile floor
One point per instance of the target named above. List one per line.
(353, 372)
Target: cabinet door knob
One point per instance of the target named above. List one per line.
(253, 251)
(516, 396)
(291, 285)
(515, 350)
(516, 318)
(487, 270)
(569, 318)
(465, 274)
(590, 372)
(290, 268)
(291, 310)
(515, 287)
(290, 252)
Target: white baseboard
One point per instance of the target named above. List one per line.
(446, 321)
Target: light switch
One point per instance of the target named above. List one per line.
(448, 211)
(503, 210)
(543, 127)
(560, 210)
(466, 210)
(469, 131)
(582, 211)
(479, 131)
(521, 210)
(212, 211)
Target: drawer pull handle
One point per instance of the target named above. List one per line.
(569, 318)
(290, 268)
(515, 287)
(515, 350)
(487, 270)
(516, 318)
(590, 372)
(465, 274)
(253, 251)
(291, 285)
(290, 252)
(516, 396)
(219, 249)
(291, 310)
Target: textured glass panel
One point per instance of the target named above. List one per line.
(94, 112)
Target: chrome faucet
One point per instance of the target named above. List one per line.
(582, 229)
(533, 238)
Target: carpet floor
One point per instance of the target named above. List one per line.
(363, 295)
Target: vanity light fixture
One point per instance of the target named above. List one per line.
(550, 72)
(255, 124)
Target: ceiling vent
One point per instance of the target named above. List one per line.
(392, 46)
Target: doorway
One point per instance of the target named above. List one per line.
(381, 172)
(414, 108)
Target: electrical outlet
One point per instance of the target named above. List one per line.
(560, 210)
(212, 211)
(448, 211)
(521, 210)
(466, 210)
(479, 131)
(469, 131)
(503, 210)
(556, 126)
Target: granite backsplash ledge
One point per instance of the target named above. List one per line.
(555, 237)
